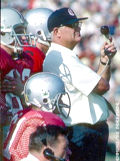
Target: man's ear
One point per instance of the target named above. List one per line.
(57, 31)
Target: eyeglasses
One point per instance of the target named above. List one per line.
(74, 25)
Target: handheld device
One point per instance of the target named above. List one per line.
(106, 32)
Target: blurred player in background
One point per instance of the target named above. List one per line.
(41, 37)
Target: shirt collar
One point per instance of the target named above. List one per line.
(32, 157)
(62, 49)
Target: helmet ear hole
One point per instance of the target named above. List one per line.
(39, 32)
(45, 100)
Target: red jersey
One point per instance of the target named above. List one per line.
(23, 124)
(23, 67)
(6, 63)
(37, 56)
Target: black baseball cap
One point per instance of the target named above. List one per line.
(62, 17)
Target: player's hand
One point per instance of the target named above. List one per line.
(13, 84)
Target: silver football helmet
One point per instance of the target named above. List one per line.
(47, 91)
(37, 24)
(13, 26)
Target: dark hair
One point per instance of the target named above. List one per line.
(45, 135)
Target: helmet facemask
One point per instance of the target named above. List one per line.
(21, 38)
(60, 104)
(16, 38)
(63, 104)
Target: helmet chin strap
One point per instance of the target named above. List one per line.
(43, 42)
(16, 48)
(41, 38)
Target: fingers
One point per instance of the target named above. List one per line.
(111, 49)
(15, 74)
(9, 83)
(110, 39)
(16, 86)
(110, 46)
(8, 78)
(12, 84)
(8, 88)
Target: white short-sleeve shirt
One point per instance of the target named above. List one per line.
(80, 80)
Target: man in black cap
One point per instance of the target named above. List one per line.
(89, 110)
